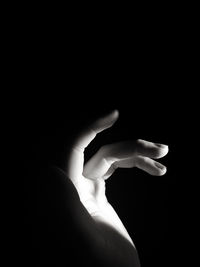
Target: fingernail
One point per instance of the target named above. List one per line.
(161, 145)
(160, 166)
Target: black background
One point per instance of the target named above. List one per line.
(66, 80)
(149, 206)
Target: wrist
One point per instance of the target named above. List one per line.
(104, 213)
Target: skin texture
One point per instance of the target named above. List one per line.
(74, 219)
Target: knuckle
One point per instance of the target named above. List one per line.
(104, 149)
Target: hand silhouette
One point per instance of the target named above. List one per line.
(89, 179)
(72, 201)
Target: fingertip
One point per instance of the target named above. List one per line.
(160, 169)
(162, 172)
(162, 150)
(106, 121)
(150, 149)
(114, 114)
(162, 146)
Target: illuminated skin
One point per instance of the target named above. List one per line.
(89, 179)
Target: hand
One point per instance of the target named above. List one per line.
(89, 179)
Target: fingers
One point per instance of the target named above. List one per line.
(139, 147)
(123, 150)
(88, 134)
(146, 164)
(125, 155)
(152, 150)
(150, 166)
(75, 160)
(105, 122)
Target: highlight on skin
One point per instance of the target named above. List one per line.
(90, 178)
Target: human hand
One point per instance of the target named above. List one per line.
(89, 179)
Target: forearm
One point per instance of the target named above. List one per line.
(97, 237)
(105, 213)
(117, 240)
(110, 214)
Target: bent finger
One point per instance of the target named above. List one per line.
(150, 166)
(150, 149)
(146, 164)
(127, 149)
(121, 153)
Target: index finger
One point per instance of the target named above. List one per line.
(89, 133)
(75, 161)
